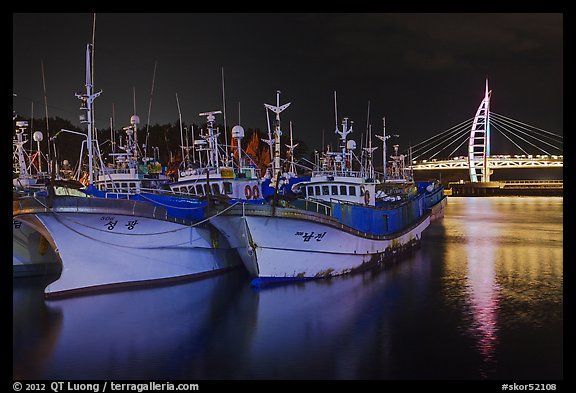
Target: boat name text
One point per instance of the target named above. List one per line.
(307, 236)
(111, 223)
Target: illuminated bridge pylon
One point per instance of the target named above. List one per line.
(479, 142)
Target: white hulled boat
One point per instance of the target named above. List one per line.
(107, 243)
(347, 221)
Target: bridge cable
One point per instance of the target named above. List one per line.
(531, 136)
(518, 121)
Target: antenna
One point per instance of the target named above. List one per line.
(291, 148)
(150, 108)
(193, 144)
(93, 38)
(224, 109)
(112, 126)
(336, 113)
(45, 105)
(181, 136)
(368, 116)
(31, 123)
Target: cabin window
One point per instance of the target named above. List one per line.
(325, 190)
(123, 186)
(227, 187)
(310, 191)
(352, 190)
(215, 188)
(317, 188)
(206, 189)
(199, 190)
(343, 190)
(190, 189)
(334, 190)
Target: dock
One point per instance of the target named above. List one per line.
(506, 188)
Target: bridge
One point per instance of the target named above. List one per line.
(545, 147)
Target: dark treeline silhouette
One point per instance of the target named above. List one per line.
(160, 141)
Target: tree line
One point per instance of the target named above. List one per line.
(160, 141)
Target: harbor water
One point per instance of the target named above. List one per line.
(481, 299)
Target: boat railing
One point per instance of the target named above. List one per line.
(74, 204)
(313, 206)
(111, 171)
(310, 215)
(324, 172)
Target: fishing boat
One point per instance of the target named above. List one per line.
(24, 179)
(128, 173)
(347, 220)
(106, 243)
(210, 172)
(31, 252)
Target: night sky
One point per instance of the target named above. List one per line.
(424, 72)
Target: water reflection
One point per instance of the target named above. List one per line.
(131, 334)
(220, 328)
(502, 253)
(35, 327)
(482, 288)
(482, 298)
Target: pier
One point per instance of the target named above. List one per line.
(506, 188)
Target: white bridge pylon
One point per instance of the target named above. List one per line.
(479, 142)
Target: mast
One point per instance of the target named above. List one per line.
(212, 138)
(149, 110)
(269, 141)
(181, 136)
(383, 138)
(224, 110)
(291, 147)
(369, 150)
(277, 132)
(19, 144)
(112, 133)
(86, 105)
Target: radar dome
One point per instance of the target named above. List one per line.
(134, 119)
(238, 132)
(351, 144)
(38, 136)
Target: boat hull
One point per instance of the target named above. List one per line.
(278, 248)
(31, 253)
(115, 244)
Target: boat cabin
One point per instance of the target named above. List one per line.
(341, 189)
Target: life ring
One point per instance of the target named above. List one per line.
(256, 192)
(248, 192)
(366, 197)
